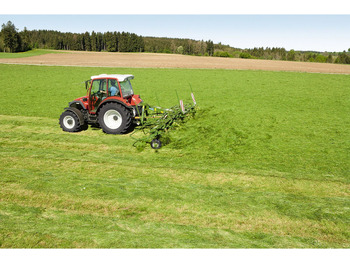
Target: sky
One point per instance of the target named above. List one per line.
(306, 32)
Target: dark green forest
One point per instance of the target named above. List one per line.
(11, 40)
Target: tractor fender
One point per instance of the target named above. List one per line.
(76, 104)
(78, 113)
(114, 101)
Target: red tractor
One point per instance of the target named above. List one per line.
(110, 103)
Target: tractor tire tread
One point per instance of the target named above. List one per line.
(126, 115)
(76, 128)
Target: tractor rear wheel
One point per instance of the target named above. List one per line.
(114, 119)
(69, 122)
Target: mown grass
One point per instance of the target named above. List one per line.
(265, 163)
(33, 52)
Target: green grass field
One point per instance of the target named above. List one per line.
(33, 52)
(264, 164)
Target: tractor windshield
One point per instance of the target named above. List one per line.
(126, 88)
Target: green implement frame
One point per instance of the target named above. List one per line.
(154, 122)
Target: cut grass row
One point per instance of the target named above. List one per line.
(264, 164)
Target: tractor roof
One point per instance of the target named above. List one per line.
(120, 78)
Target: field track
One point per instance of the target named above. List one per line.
(147, 60)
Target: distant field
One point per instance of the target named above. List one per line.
(265, 163)
(31, 53)
(151, 60)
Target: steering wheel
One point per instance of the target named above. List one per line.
(101, 92)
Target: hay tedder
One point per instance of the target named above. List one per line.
(111, 104)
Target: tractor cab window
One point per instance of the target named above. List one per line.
(98, 93)
(113, 88)
(99, 88)
(126, 88)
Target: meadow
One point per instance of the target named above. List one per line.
(34, 52)
(264, 163)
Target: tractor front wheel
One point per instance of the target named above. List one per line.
(114, 119)
(69, 122)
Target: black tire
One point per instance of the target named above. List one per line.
(84, 127)
(156, 144)
(69, 122)
(114, 118)
(95, 125)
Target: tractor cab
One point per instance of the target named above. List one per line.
(102, 88)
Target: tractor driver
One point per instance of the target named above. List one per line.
(112, 88)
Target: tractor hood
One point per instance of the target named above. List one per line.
(83, 101)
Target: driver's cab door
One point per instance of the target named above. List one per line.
(98, 92)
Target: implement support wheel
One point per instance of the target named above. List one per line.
(156, 144)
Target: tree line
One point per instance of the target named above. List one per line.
(292, 55)
(208, 48)
(13, 41)
(178, 46)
